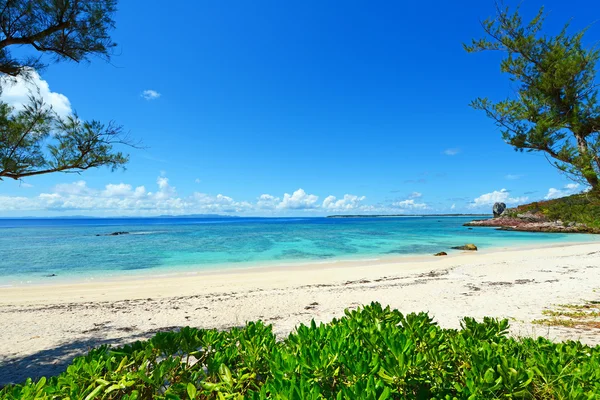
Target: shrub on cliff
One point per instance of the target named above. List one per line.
(580, 208)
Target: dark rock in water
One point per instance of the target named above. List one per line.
(470, 229)
(50, 276)
(113, 234)
(468, 246)
(441, 253)
(498, 209)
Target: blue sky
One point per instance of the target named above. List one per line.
(250, 101)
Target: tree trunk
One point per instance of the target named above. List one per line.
(588, 171)
(594, 182)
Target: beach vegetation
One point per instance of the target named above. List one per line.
(584, 316)
(35, 140)
(555, 109)
(369, 353)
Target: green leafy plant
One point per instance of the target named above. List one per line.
(370, 353)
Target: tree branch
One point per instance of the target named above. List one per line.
(17, 176)
(35, 37)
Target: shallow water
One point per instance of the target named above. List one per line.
(32, 249)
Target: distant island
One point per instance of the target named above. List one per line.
(194, 216)
(127, 217)
(407, 215)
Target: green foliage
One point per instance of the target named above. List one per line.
(36, 141)
(66, 30)
(555, 109)
(370, 353)
(580, 208)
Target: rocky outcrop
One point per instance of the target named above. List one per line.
(529, 225)
(531, 217)
(113, 234)
(468, 246)
(441, 253)
(572, 214)
(498, 209)
(517, 219)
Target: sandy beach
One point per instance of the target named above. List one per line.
(44, 326)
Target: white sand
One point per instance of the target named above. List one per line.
(43, 326)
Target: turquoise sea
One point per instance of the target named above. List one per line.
(33, 249)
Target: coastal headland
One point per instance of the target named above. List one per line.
(578, 213)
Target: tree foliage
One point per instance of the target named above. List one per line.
(555, 109)
(35, 140)
(65, 29)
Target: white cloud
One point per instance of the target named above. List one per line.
(165, 190)
(26, 185)
(140, 191)
(150, 94)
(497, 196)
(451, 152)
(218, 204)
(347, 203)
(18, 203)
(267, 202)
(125, 199)
(123, 190)
(567, 190)
(299, 200)
(116, 199)
(410, 204)
(453, 206)
(197, 180)
(75, 188)
(16, 92)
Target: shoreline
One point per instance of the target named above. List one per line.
(45, 326)
(177, 283)
(275, 265)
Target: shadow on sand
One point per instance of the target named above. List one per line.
(53, 361)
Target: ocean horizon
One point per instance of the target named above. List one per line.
(47, 250)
